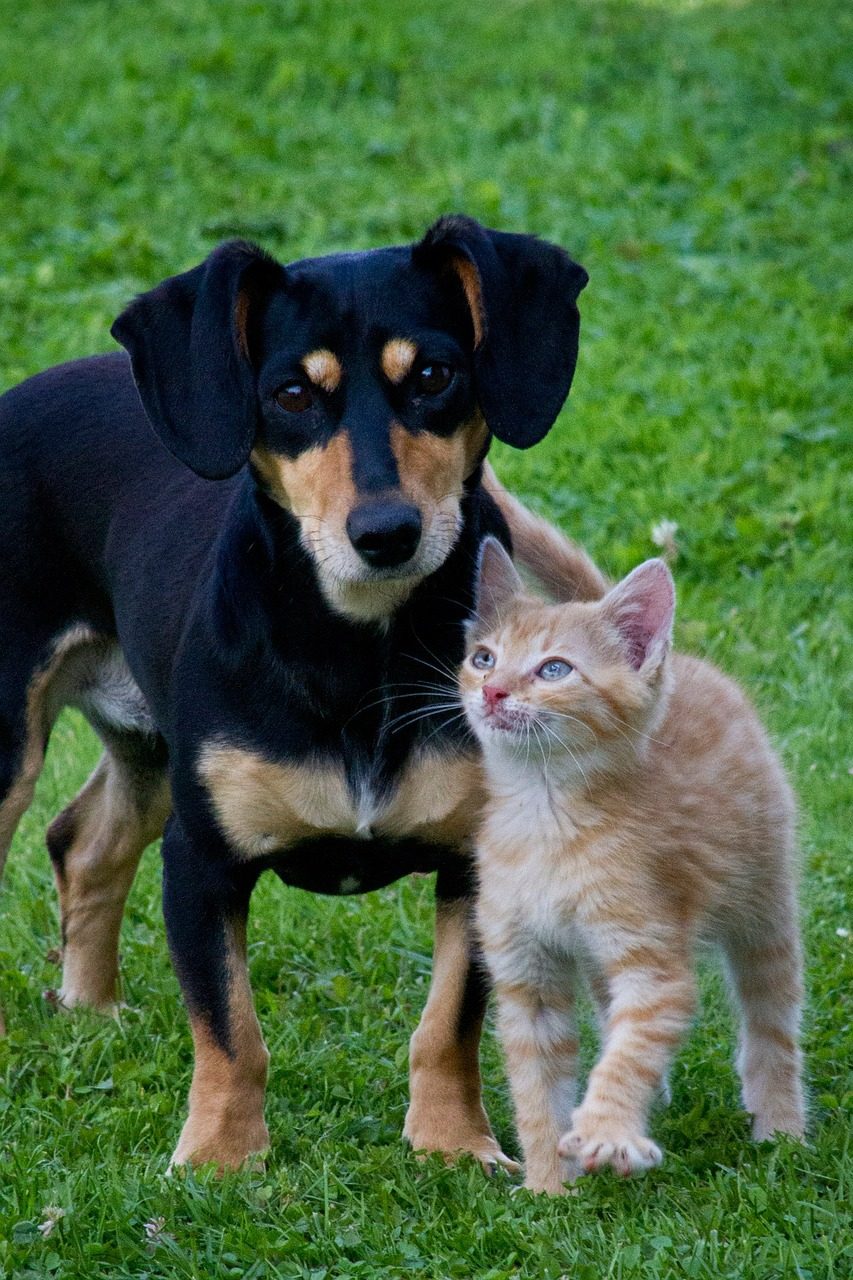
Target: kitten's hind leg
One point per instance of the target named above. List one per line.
(539, 1037)
(767, 979)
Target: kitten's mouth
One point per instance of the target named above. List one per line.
(506, 719)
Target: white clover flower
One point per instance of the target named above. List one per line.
(52, 1215)
(156, 1234)
(663, 536)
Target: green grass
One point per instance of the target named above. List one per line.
(696, 158)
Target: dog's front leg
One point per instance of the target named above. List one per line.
(446, 1109)
(206, 904)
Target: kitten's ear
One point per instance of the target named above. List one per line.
(642, 609)
(497, 583)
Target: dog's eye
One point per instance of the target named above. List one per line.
(555, 669)
(295, 397)
(432, 379)
(482, 659)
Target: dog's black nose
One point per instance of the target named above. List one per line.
(385, 533)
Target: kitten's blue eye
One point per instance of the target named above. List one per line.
(482, 659)
(555, 669)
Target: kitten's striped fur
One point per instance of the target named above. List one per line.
(635, 806)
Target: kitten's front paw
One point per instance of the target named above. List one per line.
(594, 1143)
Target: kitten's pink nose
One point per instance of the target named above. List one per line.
(493, 694)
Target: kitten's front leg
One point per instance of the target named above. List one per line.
(537, 1030)
(651, 1004)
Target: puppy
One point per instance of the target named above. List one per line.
(245, 553)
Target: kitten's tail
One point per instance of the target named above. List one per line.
(563, 568)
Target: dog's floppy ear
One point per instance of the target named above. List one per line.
(189, 346)
(522, 295)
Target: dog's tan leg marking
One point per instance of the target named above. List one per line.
(96, 844)
(225, 1125)
(42, 707)
(20, 795)
(43, 702)
(446, 1110)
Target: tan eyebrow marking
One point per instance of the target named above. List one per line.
(324, 369)
(397, 359)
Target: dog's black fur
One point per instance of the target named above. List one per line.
(174, 552)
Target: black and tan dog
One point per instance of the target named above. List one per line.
(249, 604)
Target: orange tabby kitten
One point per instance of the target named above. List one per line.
(635, 807)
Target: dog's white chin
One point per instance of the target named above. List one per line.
(369, 599)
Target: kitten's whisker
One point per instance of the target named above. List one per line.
(564, 715)
(623, 734)
(392, 698)
(444, 724)
(450, 671)
(545, 763)
(442, 670)
(658, 741)
(575, 760)
(640, 733)
(424, 704)
(427, 687)
(420, 692)
(420, 713)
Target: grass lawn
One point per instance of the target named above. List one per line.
(695, 156)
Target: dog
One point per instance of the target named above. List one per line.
(249, 602)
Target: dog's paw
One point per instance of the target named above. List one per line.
(594, 1144)
(492, 1158)
(67, 1000)
(453, 1140)
(226, 1145)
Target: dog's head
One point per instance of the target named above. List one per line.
(363, 389)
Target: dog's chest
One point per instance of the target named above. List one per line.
(265, 806)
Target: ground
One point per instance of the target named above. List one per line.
(695, 157)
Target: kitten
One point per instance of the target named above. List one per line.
(635, 806)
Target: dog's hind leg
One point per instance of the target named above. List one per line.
(27, 712)
(21, 759)
(95, 845)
